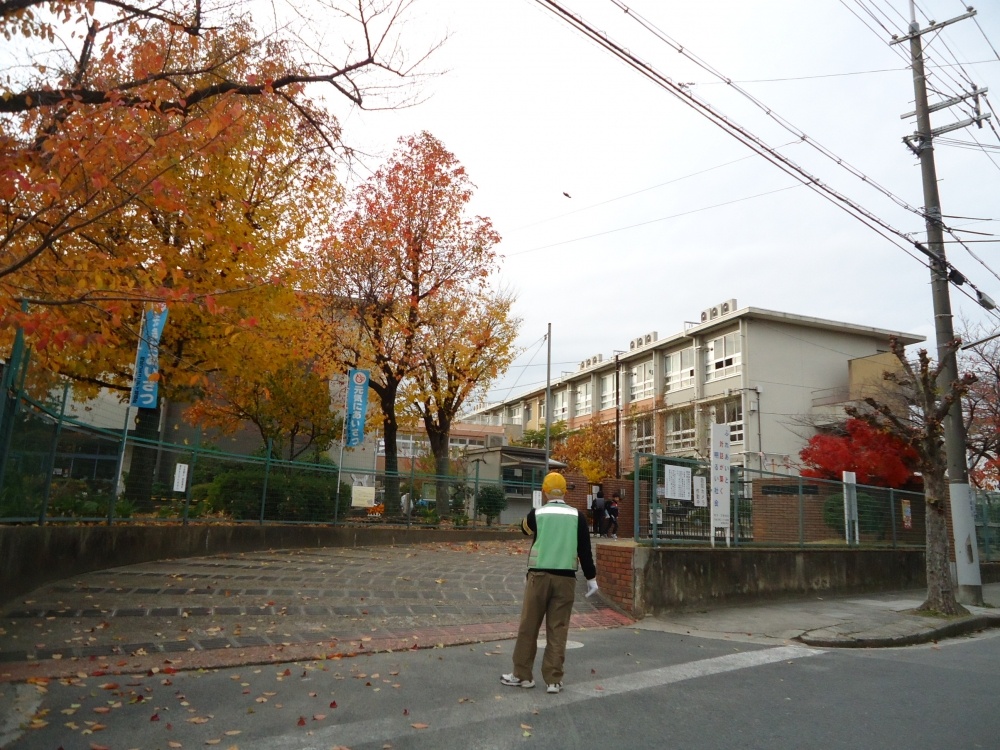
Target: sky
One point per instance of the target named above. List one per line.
(623, 211)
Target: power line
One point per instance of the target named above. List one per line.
(769, 153)
(651, 221)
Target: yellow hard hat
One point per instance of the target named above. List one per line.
(554, 484)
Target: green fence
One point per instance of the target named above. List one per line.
(55, 468)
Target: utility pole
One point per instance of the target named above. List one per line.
(548, 397)
(970, 588)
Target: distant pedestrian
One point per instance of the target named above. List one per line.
(561, 539)
(599, 509)
(611, 528)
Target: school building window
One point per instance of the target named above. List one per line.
(643, 440)
(608, 391)
(723, 356)
(731, 413)
(583, 403)
(679, 369)
(680, 430)
(642, 381)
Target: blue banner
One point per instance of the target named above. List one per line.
(147, 359)
(357, 407)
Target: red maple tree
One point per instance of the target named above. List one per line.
(877, 458)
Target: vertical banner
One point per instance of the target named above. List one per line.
(147, 360)
(720, 508)
(357, 407)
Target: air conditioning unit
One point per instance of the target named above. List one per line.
(714, 312)
(728, 306)
(649, 338)
(632, 344)
(598, 358)
(583, 364)
(705, 315)
(590, 361)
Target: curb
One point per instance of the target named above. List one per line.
(971, 624)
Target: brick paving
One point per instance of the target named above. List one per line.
(275, 606)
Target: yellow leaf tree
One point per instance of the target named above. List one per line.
(406, 244)
(467, 346)
(589, 450)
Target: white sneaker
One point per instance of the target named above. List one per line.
(512, 681)
(554, 688)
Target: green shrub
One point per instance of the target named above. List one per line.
(491, 502)
(292, 495)
(872, 513)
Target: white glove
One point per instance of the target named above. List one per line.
(591, 587)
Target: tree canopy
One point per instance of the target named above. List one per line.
(397, 268)
(875, 456)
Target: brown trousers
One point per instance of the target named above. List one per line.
(549, 596)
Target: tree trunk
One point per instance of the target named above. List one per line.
(940, 588)
(438, 436)
(390, 430)
(139, 483)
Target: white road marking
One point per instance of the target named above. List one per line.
(518, 700)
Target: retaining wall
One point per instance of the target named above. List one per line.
(670, 578)
(31, 556)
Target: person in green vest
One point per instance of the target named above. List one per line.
(561, 538)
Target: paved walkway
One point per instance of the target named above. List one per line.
(285, 606)
(269, 607)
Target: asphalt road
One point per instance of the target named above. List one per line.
(625, 688)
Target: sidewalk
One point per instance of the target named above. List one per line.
(285, 606)
(879, 620)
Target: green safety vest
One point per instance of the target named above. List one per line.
(555, 546)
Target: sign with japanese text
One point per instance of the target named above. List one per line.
(700, 492)
(677, 482)
(357, 407)
(719, 485)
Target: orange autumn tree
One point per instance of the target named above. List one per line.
(211, 210)
(466, 347)
(106, 103)
(589, 450)
(405, 247)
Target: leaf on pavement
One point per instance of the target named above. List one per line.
(420, 725)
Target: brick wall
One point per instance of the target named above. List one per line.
(615, 574)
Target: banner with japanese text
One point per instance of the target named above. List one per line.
(145, 382)
(357, 407)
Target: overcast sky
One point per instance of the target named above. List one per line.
(667, 214)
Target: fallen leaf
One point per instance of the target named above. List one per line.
(171, 743)
(216, 741)
(232, 732)
(526, 726)
(319, 717)
(198, 720)
(154, 717)
(302, 721)
(420, 726)
(333, 704)
(102, 710)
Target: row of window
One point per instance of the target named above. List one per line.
(679, 427)
(722, 359)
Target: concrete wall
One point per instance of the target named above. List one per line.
(31, 556)
(664, 579)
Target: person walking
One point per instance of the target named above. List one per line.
(561, 538)
(599, 510)
(611, 528)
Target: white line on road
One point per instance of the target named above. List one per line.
(518, 701)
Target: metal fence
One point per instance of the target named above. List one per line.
(774, 509)
(57, 468)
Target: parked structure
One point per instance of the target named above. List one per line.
(773, 377)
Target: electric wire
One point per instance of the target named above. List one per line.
(849, 206)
